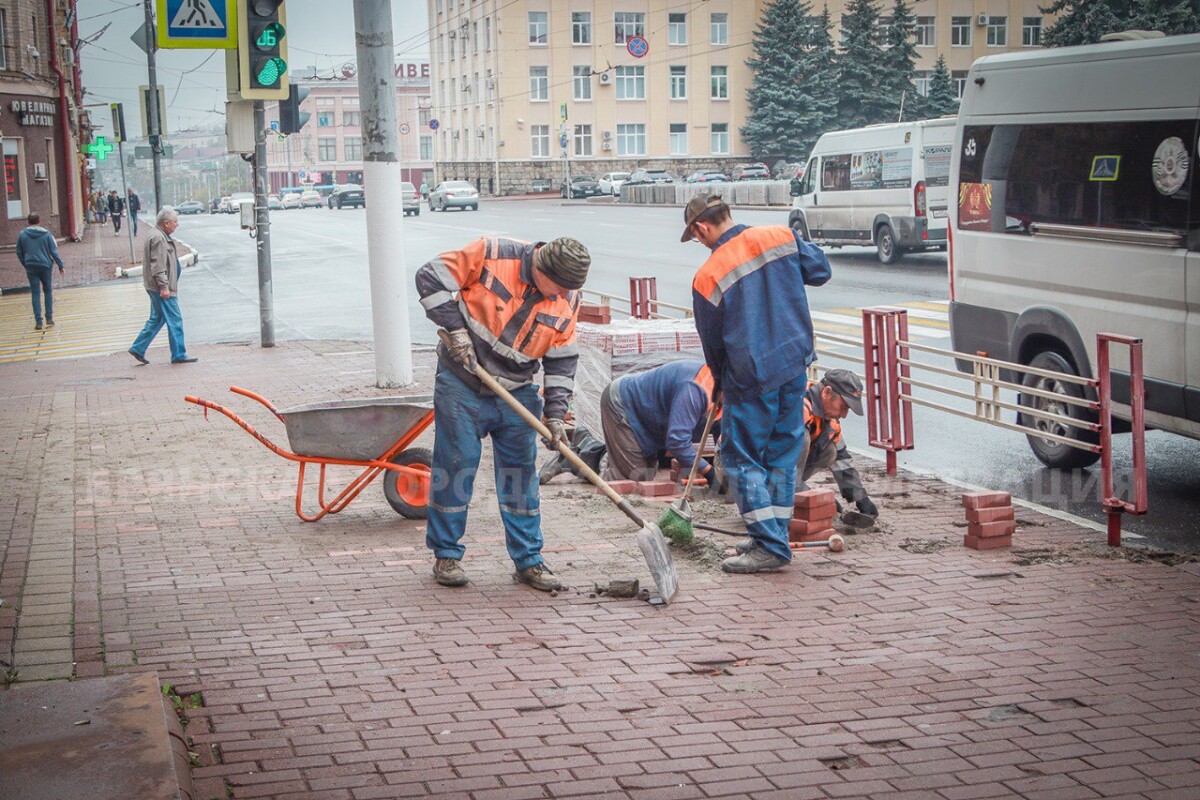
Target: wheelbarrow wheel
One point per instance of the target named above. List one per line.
(408, 496)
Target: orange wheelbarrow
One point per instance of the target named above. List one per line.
(373, 434)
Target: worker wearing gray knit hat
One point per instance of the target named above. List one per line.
(510, 306)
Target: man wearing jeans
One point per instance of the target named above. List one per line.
(38, 253)
(160, 276)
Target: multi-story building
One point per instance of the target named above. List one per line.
(329, 150)
(41, 118)
(525, 89)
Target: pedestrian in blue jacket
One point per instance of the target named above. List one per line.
(38, 253)
(752, 315)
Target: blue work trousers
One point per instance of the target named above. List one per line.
(163, 311)
(761, 440)
(41, 281)
(461, 419)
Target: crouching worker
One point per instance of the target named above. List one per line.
(510, 306)
(661, 410)
(826, 403)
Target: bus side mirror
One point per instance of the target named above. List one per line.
(794, 187)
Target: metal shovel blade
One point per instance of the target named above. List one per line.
(658, 557)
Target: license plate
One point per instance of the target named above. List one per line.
(937, 213)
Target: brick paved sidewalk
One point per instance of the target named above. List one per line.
(326, 664)
(94, 259)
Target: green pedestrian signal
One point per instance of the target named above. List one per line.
(270, 71)
(269, 37)
(262, 50)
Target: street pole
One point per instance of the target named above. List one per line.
(152, 105)
(125, 198)
(262, 221)
(382, 179)
(287, 148)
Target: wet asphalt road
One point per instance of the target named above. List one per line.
(321, 292)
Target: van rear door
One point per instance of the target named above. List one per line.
(936, 148)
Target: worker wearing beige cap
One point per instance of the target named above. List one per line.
(510, 306)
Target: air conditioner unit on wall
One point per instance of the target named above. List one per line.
(605, 78)
(983, 20)
(608, 134)
(606, 146)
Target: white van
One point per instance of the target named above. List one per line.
(883, 185)
(1078, 212)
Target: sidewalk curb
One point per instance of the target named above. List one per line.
(14, 290)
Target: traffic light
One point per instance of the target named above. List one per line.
(262, 50)
(291, 118)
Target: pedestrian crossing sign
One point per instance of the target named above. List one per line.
(202, 24)
(1106, 168)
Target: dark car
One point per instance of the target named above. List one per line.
(645, 176)
(751, 172)
(581, 186)
(350, 194)
(706, 176)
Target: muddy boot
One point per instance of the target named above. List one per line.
(556, 466)
(755, 560)
(744, 546)
(449, 572)
(539, 577)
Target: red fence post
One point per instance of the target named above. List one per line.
(889, 419)
(1114, 506)
(642, 293)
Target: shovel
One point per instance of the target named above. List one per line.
(649, 538)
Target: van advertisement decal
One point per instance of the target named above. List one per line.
(937, 164)
(974, 206)
(1170, 166)
(881, 169)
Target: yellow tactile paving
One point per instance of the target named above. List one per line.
(926, 318)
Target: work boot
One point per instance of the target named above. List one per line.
(449, 572)
(755, 560)
(744, 546)
(552, 469)
(539, 577)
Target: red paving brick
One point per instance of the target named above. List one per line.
(331, 666)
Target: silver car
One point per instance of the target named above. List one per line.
(453, 194)
(412, 201)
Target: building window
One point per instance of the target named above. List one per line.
(631, 83)
(539, 27)
(960, 31)
(539, 84)
(719, 29)
(1031, 31)
(720, 83)
(3, 39)
(487, 33)
(352, 147)
(327, 149)
(627, 24)
(324, 117)
(426, 148)
(491, 87)
(581, 27)
(679, 139)
(583, 140)
(451, 38)
(678, 83)
(925, 34)
(423, 116)
(922, 82)
(631, 140)
(720, 138)
(676, 28)
(352, 117)
(581, 82)
(960, 82)
(997, 32)
(539, 141)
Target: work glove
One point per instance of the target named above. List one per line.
(558, 433)
(461, 348)
(867, 507)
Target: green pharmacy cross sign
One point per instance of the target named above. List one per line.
(99, 149)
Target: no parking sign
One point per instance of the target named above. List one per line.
(637, 46)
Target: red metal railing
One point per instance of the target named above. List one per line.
(643, 292)
(889, 417)
(1115, 507)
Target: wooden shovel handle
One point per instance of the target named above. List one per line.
(708, 423)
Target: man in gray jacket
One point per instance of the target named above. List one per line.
(160, 276)
(38, 253)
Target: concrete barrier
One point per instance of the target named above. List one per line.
(746, 193)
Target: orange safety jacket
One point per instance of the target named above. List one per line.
(705, 379)
(488, 288)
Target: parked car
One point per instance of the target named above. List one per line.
(581, 186)
(311, 198)
(610, 182)
(706, 176)
(453, 194)
(239, 199)
(190, 207)
(274, 203)
(786, 171)
(412, 200)
(223, 205)
(350, 194)
(647, 176)
(751, 172)
(291, 200)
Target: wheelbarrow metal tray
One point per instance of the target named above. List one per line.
(353, 430)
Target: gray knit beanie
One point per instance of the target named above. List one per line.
(564, 261)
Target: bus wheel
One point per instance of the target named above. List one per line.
(1051, 453)
(885, 245)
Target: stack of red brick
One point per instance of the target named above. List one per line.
(595, 313)
(812, 516)
(990, 520)
(654, 488)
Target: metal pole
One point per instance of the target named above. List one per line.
(152, 105)
(262, 221)
(125, 197)
(382, 178)
(287, 147)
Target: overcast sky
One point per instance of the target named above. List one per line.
(319, 33)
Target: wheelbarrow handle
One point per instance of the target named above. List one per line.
(257, 397)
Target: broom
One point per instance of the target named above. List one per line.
(676, 521)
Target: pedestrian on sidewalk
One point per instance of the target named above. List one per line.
(752, 315)
(160, 277)
(116, 208)
(517, 304)
(100, 206)
(134, 205)
(38, 253)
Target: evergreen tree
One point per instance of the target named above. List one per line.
(900, 57)
(863, 71)
(822, 76)
(943, 96)
(1085, 21)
